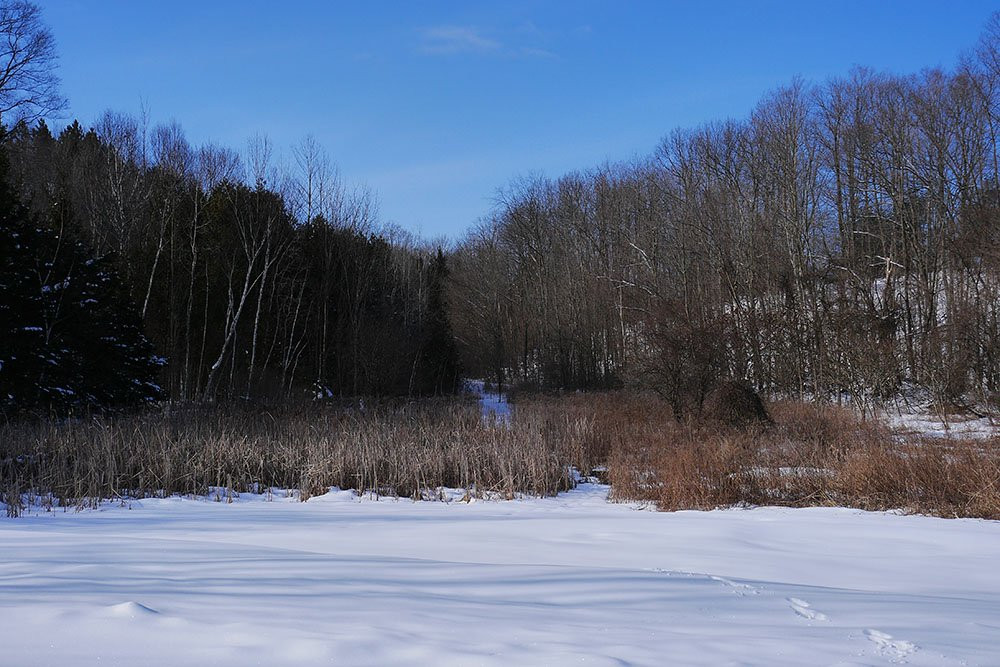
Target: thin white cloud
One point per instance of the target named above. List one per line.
(450, 39)
(532, 52)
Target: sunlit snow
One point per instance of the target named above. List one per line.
(559, 581)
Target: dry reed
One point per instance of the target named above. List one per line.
(397, 448)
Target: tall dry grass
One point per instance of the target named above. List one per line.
(813, 454)
(398, 448)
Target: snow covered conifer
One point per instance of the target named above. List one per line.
(70, 339)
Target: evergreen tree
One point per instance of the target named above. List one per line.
(70, 339)
(22, 352)
(440, 355)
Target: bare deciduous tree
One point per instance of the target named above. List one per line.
(29, 86)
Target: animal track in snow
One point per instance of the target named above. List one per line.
(805, 610)
(895, 649)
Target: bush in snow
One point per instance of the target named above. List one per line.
(735, 404)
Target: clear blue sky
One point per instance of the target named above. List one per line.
(436, 104)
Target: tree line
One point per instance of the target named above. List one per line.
(247, 281)
(843, 240)
(137, 267)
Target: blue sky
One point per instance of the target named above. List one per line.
(435, 105)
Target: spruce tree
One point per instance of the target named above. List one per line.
(440, 356)
(22, 349)
(70, 339)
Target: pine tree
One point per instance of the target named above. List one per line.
(22, 346)
(440, 356)
(70, 339)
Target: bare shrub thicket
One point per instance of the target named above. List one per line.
(812, 454)
(735, 404)
(397, 448)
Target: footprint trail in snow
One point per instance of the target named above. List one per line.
(895, 649)
(738, 588)
(805, 610)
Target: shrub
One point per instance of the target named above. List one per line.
(812, 454)
(735, 404)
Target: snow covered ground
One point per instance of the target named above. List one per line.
(913, 413)
(565, 580)
(927, 424)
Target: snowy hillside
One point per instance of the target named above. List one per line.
(565, 580)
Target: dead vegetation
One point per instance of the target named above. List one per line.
(812, 454)
(399, 449)
(809, 454)
(735, 404)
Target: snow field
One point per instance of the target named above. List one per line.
(565, 580)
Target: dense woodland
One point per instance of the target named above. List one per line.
(248, 282)
(843, 240)
(137, 268)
